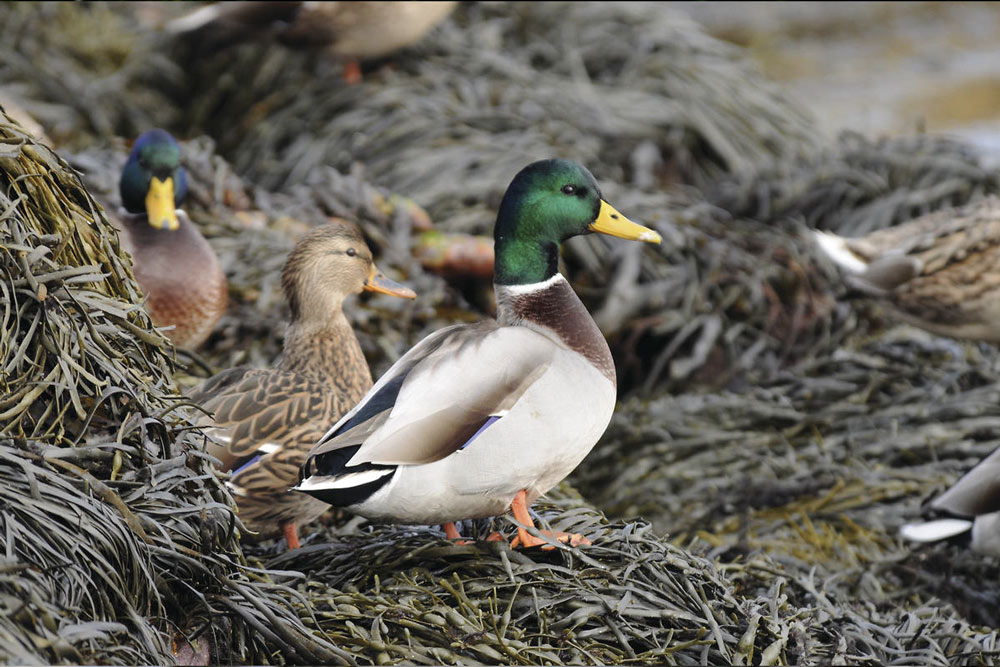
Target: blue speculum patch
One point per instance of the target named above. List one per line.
(482, 428)
(246, 465)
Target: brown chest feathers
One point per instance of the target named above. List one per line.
(554, 309)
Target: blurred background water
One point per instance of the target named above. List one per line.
(879, 68)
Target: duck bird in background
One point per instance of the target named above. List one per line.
(969, 510)
(348, 30)
(478, 418)
(937, 272)
(265, 420)
(185, 287)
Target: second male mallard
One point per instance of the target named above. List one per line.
(186, 290)
(938, 272)
(478, 418)
(265, 420)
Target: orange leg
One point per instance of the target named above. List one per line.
(291, 534)
(524, 539)
(451, 532)
(352, 72)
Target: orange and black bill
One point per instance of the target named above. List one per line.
(377, 282)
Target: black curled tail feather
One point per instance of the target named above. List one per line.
(333, 465)
(352, 495)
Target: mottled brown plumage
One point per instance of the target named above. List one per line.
(266, 420)
(938, 272)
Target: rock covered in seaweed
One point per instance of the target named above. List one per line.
(115, 517)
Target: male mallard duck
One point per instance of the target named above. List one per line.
(478, 418)
(971, 506)
(351, 30)
(266, 420)
(172, 261)
(938, 272)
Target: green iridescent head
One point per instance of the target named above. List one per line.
(153, 181)
(548, 202)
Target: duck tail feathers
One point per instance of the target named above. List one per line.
(935, 531)
(835, 247)
(348, 486)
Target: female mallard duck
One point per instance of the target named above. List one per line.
(478, 418)
(350, 30)
(938, 272)
(265, 421)
(173, 263)
(970, 508)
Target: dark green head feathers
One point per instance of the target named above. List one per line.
(153, 181)
(548, 202)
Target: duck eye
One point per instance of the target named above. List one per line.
(351, 252)
(569, 189)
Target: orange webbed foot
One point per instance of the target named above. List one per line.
(527, 540)
(519, 506)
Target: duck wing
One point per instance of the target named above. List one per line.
(944, 242)
(436, 399)
(975, 493)
(258, 411)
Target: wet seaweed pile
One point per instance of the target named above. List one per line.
(859, 185)
(773, 432)
(94, 74)
(609, 83)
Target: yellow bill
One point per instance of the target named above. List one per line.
(377, 282)
(160, 208)
(611, 222)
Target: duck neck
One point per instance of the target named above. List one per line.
(327, 352)
(552, 308)
(524, 262)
